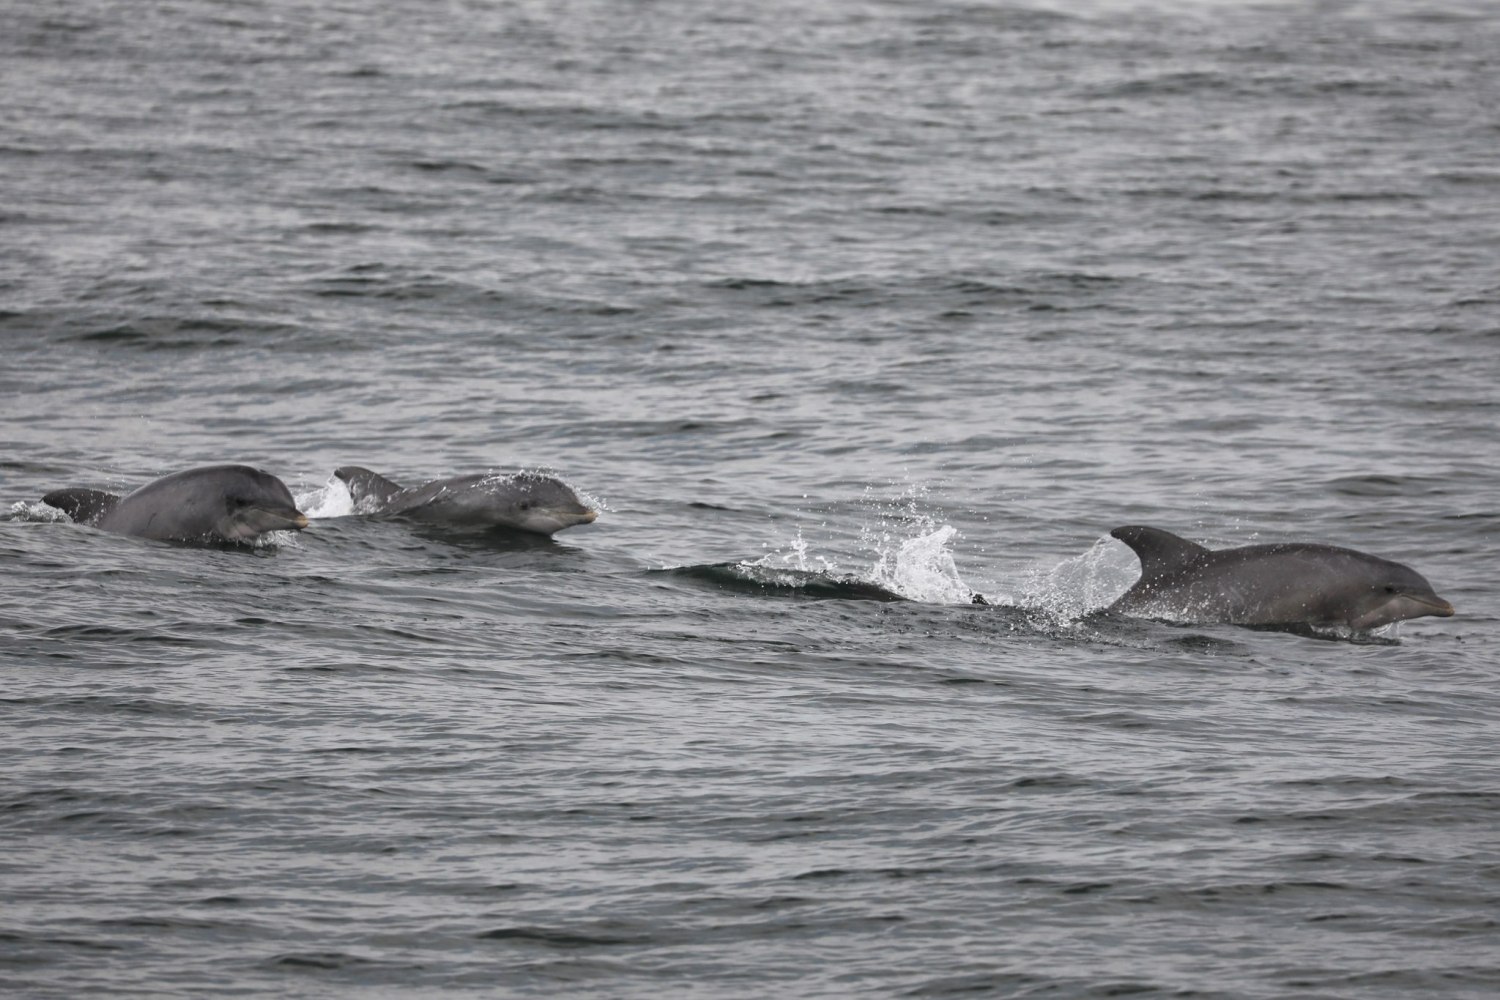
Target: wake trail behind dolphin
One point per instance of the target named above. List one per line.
(920, 568)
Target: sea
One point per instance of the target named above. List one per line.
(841, 312)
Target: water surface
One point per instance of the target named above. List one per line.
(822, 304)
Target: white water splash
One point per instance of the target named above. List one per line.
(923, 569)
(274, 540)
(332, 499)
(35, 510)
(1068, 590)
(794, 558)
(912, 557)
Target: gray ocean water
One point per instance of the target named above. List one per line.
(807, 297)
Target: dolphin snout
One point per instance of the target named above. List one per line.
(1428, 604)
(284, 518)
(588, 517)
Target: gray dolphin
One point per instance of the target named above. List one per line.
(1282, 584)
(217, 503)
(526, 501)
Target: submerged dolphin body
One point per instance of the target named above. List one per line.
(216, 503)
(525, 501)
(1282, 584)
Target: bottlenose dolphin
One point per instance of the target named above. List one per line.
(217, 503)
(1282, 584)
(527, 501)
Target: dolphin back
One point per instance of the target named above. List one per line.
(364, 484)
(82, 505)
(1161, 552)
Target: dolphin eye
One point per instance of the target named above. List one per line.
(525, 505)
(1390, 588)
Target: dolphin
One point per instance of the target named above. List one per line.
(1282, 584)
(525, 501)
(216, 503)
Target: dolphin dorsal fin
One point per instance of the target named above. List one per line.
(1160, 552)
(83, 506)
(364, 483)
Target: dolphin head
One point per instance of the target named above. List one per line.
(256, 502)
(539, 503)
(1390, 593)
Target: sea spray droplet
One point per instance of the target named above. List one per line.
(795, 558)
